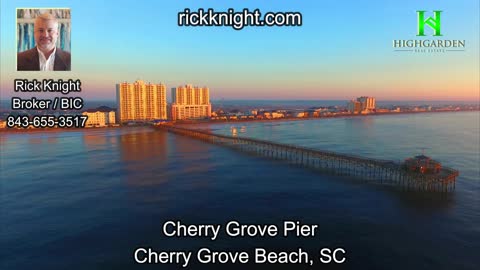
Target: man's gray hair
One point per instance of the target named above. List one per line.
(46, 17)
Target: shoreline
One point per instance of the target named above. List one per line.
(210, 122)
(38, 130)
(286, 119)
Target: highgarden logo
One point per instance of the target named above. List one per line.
(434, 25)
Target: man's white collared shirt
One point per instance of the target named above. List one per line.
(46, 64)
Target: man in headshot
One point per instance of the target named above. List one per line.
(45, 56)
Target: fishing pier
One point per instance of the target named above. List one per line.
(383, 172)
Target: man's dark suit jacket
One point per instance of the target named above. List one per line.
(28, 60)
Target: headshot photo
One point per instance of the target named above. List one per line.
(43, 40)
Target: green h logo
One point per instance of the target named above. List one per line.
(434, 22)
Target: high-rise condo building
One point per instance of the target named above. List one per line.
(190, 102)
(362, 105)
(368, 103)
(354, 106)
(141, 102)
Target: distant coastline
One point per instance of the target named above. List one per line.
(187, 122)
(209, 121)
(280, 103)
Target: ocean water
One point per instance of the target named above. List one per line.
(87, 199)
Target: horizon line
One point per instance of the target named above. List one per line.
(289, 99)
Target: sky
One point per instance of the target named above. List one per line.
(343, 50)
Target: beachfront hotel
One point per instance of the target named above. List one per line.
(190, 102)
(100, 117)
(139, 101)
(368, 103)
(362, 105)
